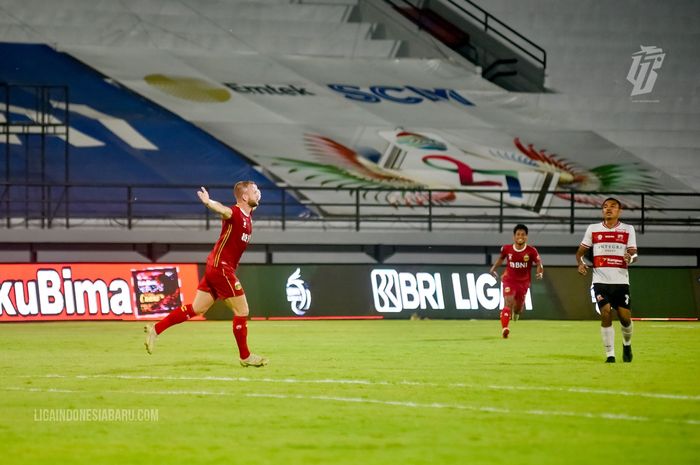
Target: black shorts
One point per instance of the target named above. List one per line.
(617, 295)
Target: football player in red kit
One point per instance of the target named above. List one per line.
(519, 258)
(219, 281)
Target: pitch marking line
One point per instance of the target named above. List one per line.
(358, 400)
(583, 390)
(576, 390)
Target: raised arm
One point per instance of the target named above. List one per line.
(213, 205)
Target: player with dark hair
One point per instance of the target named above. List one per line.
(519, 257)
(614, 247)
(219, 281)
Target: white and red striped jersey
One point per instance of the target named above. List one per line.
(609, 247)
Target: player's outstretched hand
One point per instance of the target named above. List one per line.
(203, 195)
(539, 275)
(494, 273)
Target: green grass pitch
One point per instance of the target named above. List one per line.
(352, 392)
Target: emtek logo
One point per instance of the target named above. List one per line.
(289, 90)
(298, 293)
(395, 291)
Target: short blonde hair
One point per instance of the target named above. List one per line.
(240, 188)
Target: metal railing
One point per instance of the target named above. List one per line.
(34, 111)
(493, 25)
(490, 25)
(46, 206)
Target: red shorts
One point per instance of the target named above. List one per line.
(221, 283)
(516, 290)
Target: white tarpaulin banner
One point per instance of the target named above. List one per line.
(402, 125)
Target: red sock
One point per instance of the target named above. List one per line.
(505, 317)
(183, 313)
(240, 332)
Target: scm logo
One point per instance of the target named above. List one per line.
(405, 95)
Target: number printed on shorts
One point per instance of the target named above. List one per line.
(627, 299)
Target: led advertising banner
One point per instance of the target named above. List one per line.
(366, 291)
(89, 291)
(441, 291)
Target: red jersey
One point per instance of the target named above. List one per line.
(233, 240)
(519, 263)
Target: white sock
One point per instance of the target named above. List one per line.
(608, 335)
(626, 334)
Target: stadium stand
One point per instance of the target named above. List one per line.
(315, 99)
(590, 44)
